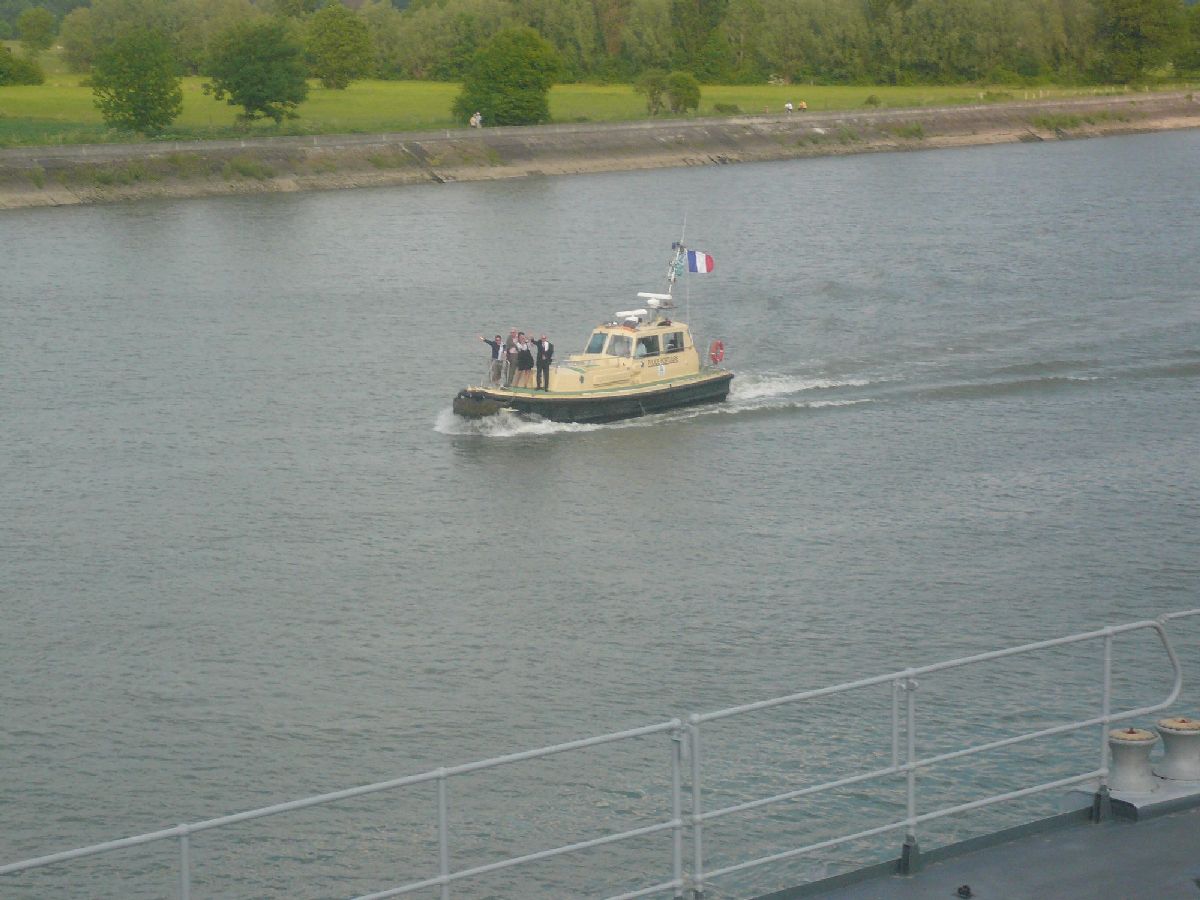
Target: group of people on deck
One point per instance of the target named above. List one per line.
(515, 358)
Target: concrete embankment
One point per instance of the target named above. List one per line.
(46, 176)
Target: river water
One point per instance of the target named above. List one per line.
(248, 555)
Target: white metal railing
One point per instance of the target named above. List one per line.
(904, 684)
(904, 694)
(445, 876)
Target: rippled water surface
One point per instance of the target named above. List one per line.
(247, 554)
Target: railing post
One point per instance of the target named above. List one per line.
(443, 835)
(910, 853)
(897, 687)
(185, 863)
(677, 809)
(697, 825)
(1101, 802)
(1106, 708)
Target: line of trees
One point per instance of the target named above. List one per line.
(258, 54)
(718, 41)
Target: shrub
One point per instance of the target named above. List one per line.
(393, 159)
(120, 175)
(185, 165)
(727, 109)
(246, 167)
(653, 84)
(19, 69)
(1057, 122)
(683, 91)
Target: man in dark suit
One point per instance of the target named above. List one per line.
(545, 353)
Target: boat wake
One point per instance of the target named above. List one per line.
(749, 393)
(505, 425)
(766, 393)
(752, 391)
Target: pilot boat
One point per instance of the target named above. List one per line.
(642, 361)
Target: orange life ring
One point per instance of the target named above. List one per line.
(716, 352)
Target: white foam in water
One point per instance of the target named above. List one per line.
(748, 392)
(503, 425)
(757, 387)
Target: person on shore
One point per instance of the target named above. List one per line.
(803, 106)
(510, 357)
(524, 362)
(477, 120)
(545, 354)
(496, 370)
(787, 107)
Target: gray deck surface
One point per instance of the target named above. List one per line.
(1154, 859)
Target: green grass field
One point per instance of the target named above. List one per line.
(61, 110)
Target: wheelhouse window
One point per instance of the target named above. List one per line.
(647, 346)
(674, 342)
(596, 344)
(619, 345)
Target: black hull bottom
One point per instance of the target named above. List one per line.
(477, 403)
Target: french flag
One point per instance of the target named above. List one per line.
(699, 262)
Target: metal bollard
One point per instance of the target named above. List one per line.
(1181, 748)
(1130, 749)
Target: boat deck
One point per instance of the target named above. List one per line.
(1067, 858)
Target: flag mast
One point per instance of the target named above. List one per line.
(676, 267)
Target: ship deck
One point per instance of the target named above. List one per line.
(1142, 852)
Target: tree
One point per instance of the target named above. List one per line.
(200, 21)
(37, 27)
(683, 90)
(647, 40)
(694, 22)
(135, 82)
(384, 24)
(509, 79)
(112, 18)
(1138, 36)
(1188, 58)
(438, 41)
(339, 45)
(18, 69)
(743, 31)
(258, 66)
(76, 35)
(571, 28)
(652, 84)
(293, 9)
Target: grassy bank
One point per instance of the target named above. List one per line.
(61, 110)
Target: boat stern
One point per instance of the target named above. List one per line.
(472, 403)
